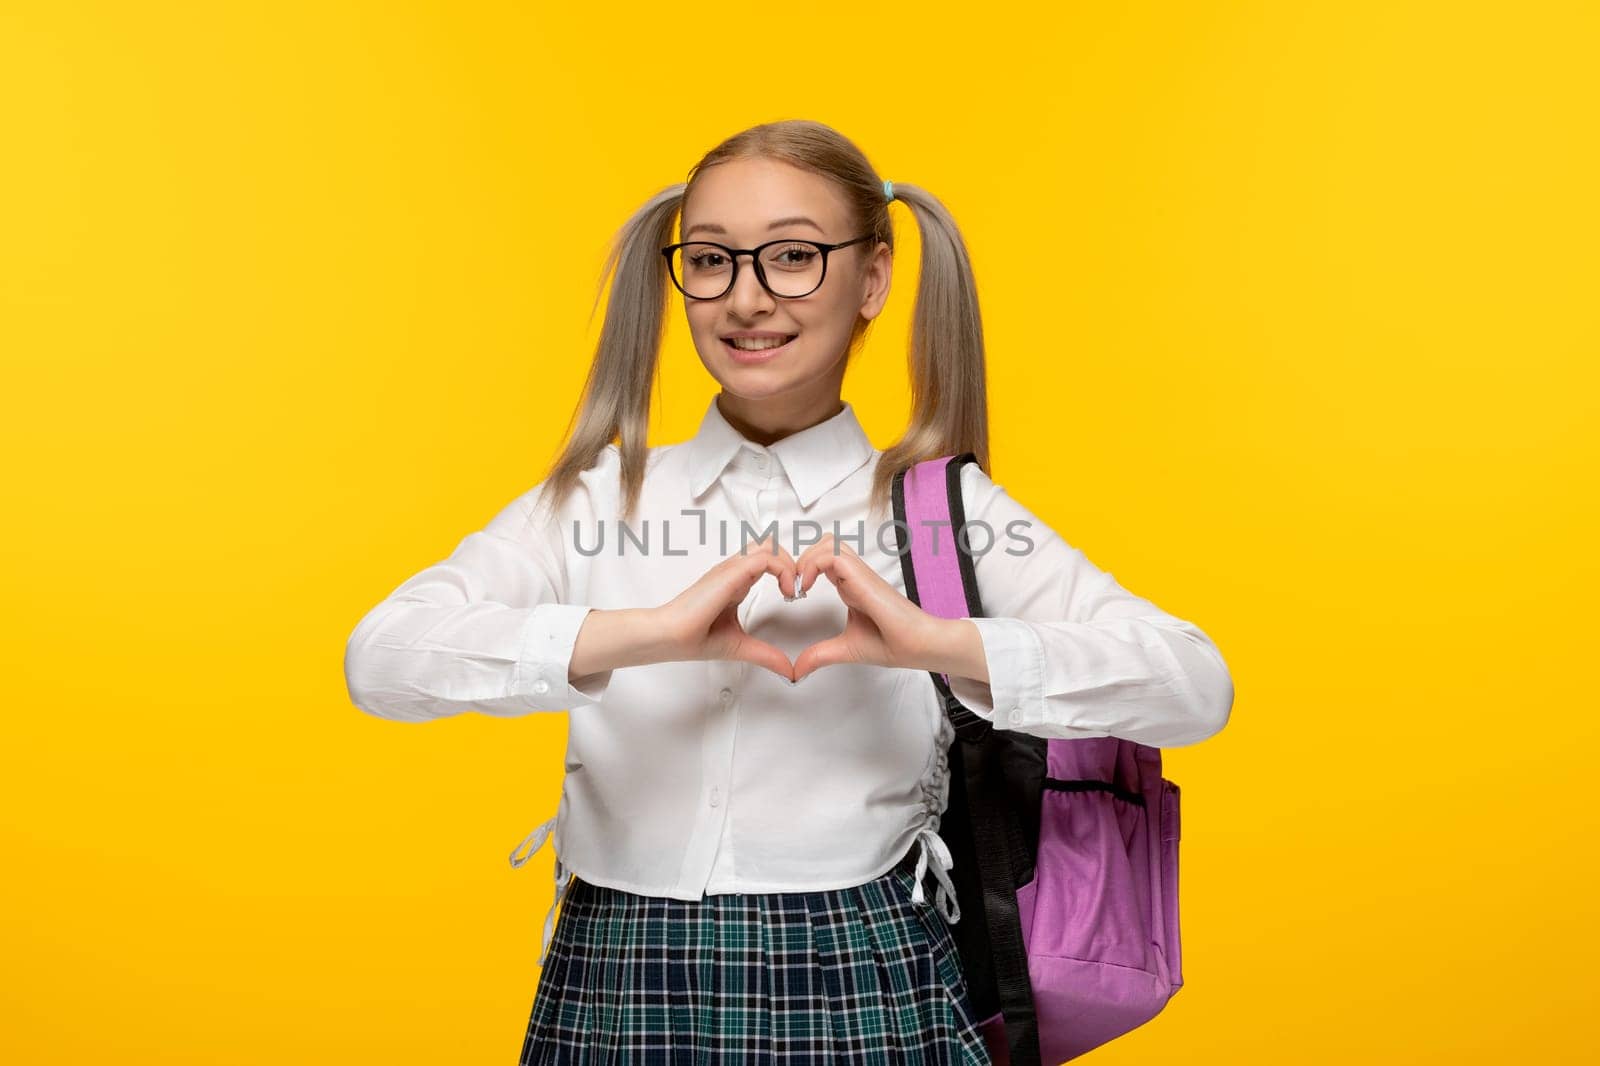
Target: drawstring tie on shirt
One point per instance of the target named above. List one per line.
(928, 839)
(928, 842)
(563, 876)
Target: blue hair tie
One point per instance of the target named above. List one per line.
(888, 191)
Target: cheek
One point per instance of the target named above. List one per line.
(698, 317)
(703, 327)
(833, 320)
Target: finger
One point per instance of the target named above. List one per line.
(766, 544)
(779, 563)
(782, 564)
(813, 558)
(840, 569)
(774, 559)
(746, 568)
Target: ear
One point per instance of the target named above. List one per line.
(879, 272)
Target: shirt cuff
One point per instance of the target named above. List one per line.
(1013, 697)
(547, 642)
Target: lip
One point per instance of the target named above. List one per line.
(754, 358)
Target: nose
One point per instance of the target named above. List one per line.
(748, 296)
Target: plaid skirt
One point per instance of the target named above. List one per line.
(851, 975)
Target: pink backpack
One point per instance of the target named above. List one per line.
(1065, 852)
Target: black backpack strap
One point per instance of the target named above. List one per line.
(996, 826)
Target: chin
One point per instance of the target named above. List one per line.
(755, 383)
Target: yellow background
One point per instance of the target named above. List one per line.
(1292, 325)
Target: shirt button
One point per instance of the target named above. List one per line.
(541, 687)
(1016, 716)
(716, 797)
(726, 696)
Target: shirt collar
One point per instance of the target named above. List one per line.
(815, 459)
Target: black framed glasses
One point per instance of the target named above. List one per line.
(787, 268)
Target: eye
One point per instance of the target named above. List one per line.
(793, 255)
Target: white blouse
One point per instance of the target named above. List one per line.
(684, 779)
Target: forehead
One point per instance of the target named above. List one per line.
(740, 200)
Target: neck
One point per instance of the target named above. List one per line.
(766, 422)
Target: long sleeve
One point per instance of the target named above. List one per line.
(1070, 652)
(490, 629)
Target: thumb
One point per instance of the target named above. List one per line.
(764, 655)
(828, 652)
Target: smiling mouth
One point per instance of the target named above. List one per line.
(757, 354)
(757, 345)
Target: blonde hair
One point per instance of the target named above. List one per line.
(949, 408)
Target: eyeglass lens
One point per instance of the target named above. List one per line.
(705, 271)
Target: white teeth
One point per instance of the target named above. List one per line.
(756, 344)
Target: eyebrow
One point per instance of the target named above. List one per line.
(793, 220)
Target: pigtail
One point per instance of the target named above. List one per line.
(949, 381)
(615, 407)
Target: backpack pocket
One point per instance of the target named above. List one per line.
(1091, 886)
(1092, 961)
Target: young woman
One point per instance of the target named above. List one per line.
(757, 758)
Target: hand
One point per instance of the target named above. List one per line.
(882, 627)
(702, 621)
